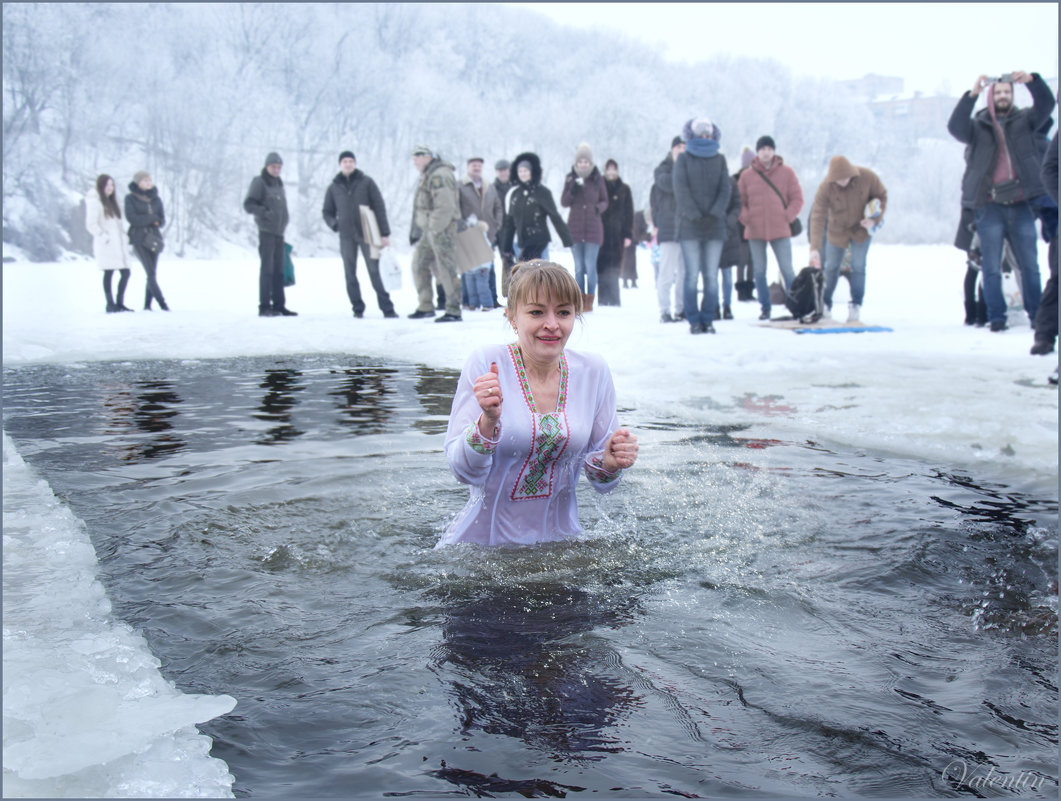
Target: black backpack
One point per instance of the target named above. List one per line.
(805, 295)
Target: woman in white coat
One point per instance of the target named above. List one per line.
(103, 219)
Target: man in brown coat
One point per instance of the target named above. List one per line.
(839, 213)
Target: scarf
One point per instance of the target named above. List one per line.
(702, 148)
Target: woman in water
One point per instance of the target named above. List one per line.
(528, 417)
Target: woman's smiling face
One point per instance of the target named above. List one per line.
(543, 326)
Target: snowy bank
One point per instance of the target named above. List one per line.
(86, 711)
(932, 389)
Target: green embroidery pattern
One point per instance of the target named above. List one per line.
(550, 438)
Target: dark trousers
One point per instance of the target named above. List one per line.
(1046, 316)
(150, 262)
(271, 275)
(975, 306)
(123, 282)
(348, 248)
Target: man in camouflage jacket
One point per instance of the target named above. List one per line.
(436, 211)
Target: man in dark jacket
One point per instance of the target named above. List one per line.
(348, 192)
(671, 277)
(701, 193)
(268, 203)
(1046, 317)
(1001, 182)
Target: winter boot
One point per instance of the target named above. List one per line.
(587, 302)
(727, 313)
(853, 310)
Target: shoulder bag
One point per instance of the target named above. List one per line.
(796, 227)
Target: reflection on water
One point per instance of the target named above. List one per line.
(366, 397)
(747, 616)
(281, 386)
(434, 389)
(521, 663)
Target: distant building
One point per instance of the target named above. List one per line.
(871, 86)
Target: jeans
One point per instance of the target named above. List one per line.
(783, 253)
(585, 254)
(670, 279)
(1016, 223)
(701, 258)
(271, 274)
(348, 248)
(478, 282)
(153, 291)
(834, 257)
(727, 285)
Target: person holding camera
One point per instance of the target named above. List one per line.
(1002, 179)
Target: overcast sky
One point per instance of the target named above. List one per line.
(932, 46)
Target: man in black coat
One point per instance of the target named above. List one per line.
(671, 276)
(348, 192)
(267, 201)
(1000, 182)
(1046, 317)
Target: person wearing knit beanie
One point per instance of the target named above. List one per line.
(702, 189)
(771, 200)
(765, 141)
(267, 201)
(354, 209)
(587, 197)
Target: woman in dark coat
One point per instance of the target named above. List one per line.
(618, 221)
(143, 210)
(732, 252)
(528, 205)
(587, 197)
(642, 235)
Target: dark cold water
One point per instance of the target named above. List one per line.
(747, 617)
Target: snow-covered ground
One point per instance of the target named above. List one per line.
(932, 389)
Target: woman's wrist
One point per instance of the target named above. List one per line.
(488, 429)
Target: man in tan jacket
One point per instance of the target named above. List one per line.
(435, 213)
(839, 212)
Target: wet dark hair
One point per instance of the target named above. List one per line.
(110, 202)
(539, 281)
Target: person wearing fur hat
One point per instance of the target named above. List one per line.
(1001, 182)
(147, 217)
(771, 200)
(267, 201)
(838, 215)
(702, 190)
(528, 207)
(587, 197)
(346, 194)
